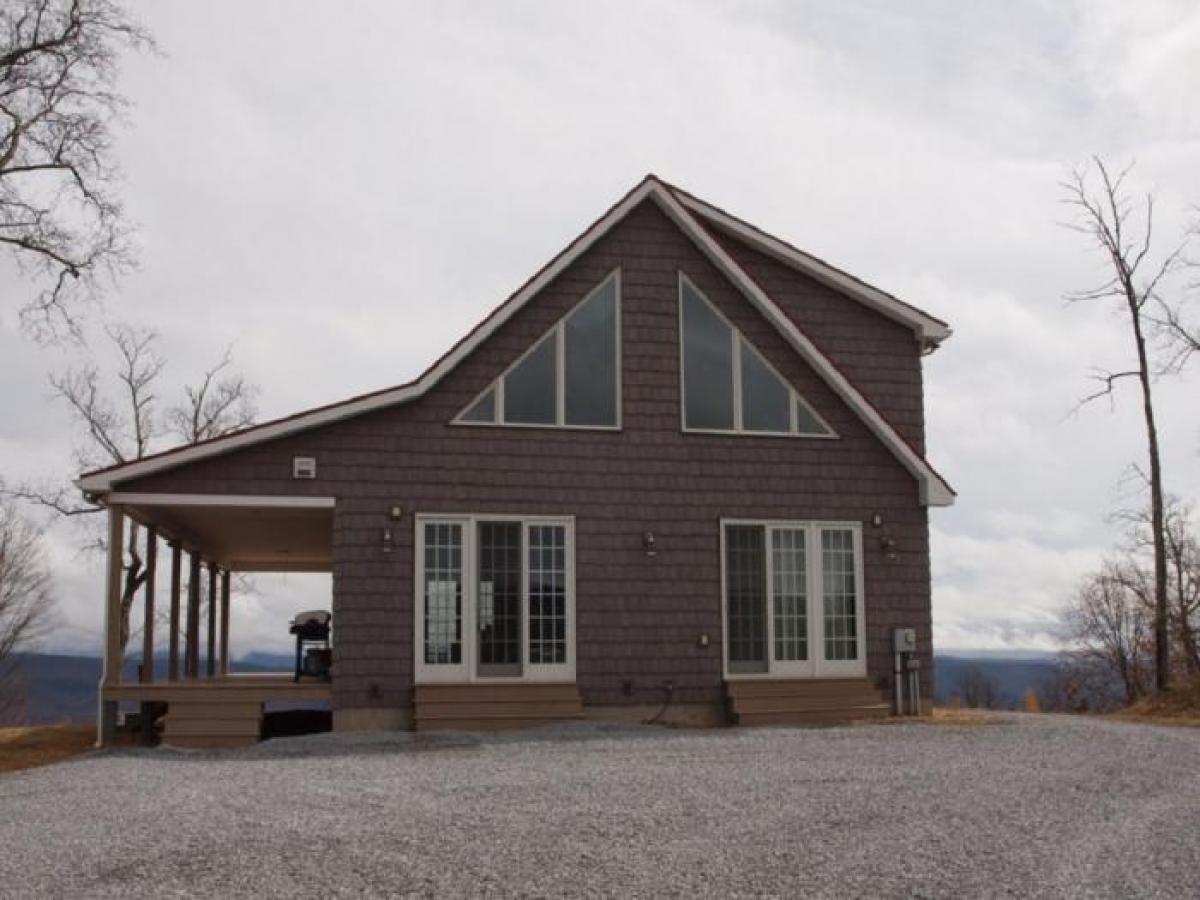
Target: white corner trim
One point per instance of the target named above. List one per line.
(927, 328)
(934, 490)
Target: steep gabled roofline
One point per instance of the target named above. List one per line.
(934, 490)
(930, 329)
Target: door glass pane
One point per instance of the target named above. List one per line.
(790, 593)
(839, 590)
(484, 409)
(707, 365)
(530, 395)
(499, 601)
(547, 594)
(443, 593)
(746, 598)
(766, 400)
(590, 360)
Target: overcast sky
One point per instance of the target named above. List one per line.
(340, 191)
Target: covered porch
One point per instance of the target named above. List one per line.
(204, 540)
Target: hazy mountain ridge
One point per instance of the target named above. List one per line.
(63, 688)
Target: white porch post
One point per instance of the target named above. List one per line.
(106, 714)
(225, 598)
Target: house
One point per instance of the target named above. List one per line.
(680, 472)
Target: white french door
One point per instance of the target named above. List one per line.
(494, 598)
(792, 597)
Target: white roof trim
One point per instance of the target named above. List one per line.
(934, 491)
(927, 328)
(238, 501)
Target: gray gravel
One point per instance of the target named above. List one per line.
(1027, 806)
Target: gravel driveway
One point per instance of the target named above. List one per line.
(1028, 805)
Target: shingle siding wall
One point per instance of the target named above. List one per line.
(639, 618)
(880, 356)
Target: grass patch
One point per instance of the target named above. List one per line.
(41, 745)
(1178, 706)
(948, 715)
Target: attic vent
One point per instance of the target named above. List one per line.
(304, 467)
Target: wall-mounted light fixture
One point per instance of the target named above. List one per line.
(387, 540)
(396, 513)
(877, 520)
(649, 544)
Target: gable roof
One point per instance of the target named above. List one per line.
(683, 209)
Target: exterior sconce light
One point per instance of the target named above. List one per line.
(704, 639)
(877, 520)
(395, 513)
(649, 544)
(387, 540)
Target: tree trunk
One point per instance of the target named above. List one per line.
(1161, 653)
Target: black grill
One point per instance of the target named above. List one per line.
(314, 658)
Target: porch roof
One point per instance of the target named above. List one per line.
(241, 533)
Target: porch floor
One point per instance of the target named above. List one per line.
(222, 711)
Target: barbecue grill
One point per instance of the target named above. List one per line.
(313, 656)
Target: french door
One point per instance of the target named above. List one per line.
(793, 599)
(495, 598)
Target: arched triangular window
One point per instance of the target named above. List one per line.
(570, 378)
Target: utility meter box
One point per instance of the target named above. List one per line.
(904, 640)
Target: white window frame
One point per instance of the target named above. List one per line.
(816, 666)
(466, 671)
(558, 335)
(736, 340)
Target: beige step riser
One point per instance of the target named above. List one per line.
(822, 717)
(480, 724)
(212, 726)
(760, 704)
(203, 742)
(215, 710)
(546, 710)
(494, 693)
(812, 685)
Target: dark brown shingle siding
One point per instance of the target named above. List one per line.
(638, 618)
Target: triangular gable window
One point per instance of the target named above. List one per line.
(569, 378)
(728, 386)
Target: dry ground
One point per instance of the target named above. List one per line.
(39, 745)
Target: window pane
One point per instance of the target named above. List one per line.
(590, 350)
(746, 598)
(547, 594)
(499, 601)
(443, 593)
(806, 422)
(790, 590)
(839, 594)
(707, 365)
(765, 398)
(529, 389)
(484, 409)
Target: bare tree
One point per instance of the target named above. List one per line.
(1107, 215)
(120, 419)
(1181, 537)
(1110, 621)
(59, 214)
(25, 597)
(978, 689)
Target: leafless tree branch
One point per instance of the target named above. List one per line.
(60, 216)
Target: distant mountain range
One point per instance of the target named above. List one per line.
(63, 688)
